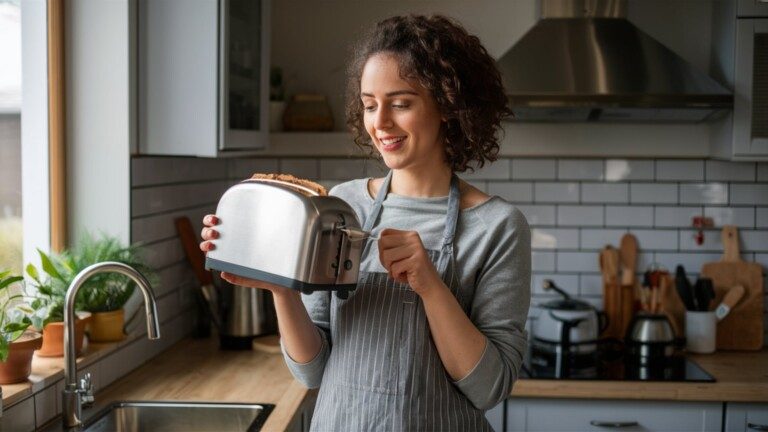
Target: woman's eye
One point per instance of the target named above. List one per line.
(400, 106)
(369, 108)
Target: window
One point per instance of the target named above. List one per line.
(10, 137)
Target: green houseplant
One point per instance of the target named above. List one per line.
(17, 342)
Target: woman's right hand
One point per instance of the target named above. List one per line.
(209, 234)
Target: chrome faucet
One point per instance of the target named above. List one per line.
(74, 396)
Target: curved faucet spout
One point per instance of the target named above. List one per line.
(72, 409)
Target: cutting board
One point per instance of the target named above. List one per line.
(742, 329)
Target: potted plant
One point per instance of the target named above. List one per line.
(17, 342)
(48, 306)
(105, 294)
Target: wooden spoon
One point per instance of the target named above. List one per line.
(628, 248)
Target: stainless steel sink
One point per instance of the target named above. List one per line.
(179, 416)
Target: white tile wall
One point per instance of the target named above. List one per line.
(586, 215)
(743, 217)
(498, 170)
(554, 238)
(628, 216)
(304, 168)
(605, 192)
(729, 171)
(653, 193)
(598, 238)
(580, 169)
(675, 216)
(543, 261)
(655, 239)
(762, 171)
(515, 192)
(749, 194)
(340, 169)
(761, 218)
(683, 170)
(703, 193)
(629, 169)
(556, 192)
(534, 169)
(539, 214)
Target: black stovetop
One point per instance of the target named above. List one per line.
(614, 367)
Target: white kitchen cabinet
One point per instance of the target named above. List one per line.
(525, 414)
(746, 417)
(203, 76)
(740, 48)
(495, 416)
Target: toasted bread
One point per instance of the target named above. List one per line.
(319, 189)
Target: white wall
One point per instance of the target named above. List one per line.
(100, 117)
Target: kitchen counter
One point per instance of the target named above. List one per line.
(740, 377)
(196, 370)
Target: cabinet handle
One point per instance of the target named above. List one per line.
(756, 426)
(613, 424)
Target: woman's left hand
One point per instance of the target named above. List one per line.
(403, 255)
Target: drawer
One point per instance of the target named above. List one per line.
(746, 417)
(601, 415)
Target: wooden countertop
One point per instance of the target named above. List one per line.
(197, 370)
(741, 377)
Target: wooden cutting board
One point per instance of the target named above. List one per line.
(742, 329)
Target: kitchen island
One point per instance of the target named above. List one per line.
(196, 370)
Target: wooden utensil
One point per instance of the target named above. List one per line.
(742, 329)
(628, 256)
(609, 266)
(671, 305)
(729, 301)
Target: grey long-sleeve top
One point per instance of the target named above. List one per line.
(493, 258)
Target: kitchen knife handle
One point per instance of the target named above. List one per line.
(613, 424)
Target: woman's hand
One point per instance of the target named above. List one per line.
(406, 260)
(209, 234)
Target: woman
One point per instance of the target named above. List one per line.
(434, 333)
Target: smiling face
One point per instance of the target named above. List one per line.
(401, 116)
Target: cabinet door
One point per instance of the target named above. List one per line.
(244, 84)
(586, 415)
(177, 77)
(744, 417)
(750, 105)
(495, 416)
(753, 8)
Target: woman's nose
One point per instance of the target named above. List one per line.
(383, 119)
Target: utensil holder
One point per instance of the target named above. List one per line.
(700, 331)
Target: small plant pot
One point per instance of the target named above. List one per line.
(106, 326)
(17, 367)
(53, 337)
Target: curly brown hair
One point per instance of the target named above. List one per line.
(439, 54)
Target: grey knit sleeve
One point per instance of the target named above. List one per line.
(499, 310)
(311, 373)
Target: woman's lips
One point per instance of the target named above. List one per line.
(392, 144)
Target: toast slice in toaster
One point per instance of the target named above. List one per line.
(293, 180)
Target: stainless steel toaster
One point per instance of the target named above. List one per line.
(270, 231)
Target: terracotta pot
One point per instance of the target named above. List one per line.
(106, 326)
(18, 365)
(53, 337)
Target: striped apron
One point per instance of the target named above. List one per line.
(384, 372)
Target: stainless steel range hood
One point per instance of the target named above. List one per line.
(584, 61)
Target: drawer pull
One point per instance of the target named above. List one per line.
(613, 424)
(757, 427)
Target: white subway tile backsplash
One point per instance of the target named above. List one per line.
(590, 284)
(375, 168)
(704, 193)
(753, 240)
(656, 239)
(628, 169)
(542, 261)
(162, 199)
(569, 284)
(498, 170)
(514, 192)
(554, 238)
(341, 169)
(711, 242)
(629, 216)
(556, 192)
(479, 184)
(604, 193)
(165, 253)
(159, 227)
(146, 171)
(749, 194)
(761, 217)
(580, 169)
(302, 168)
(653, 193)
(534, 169)
(598, 238)
(743, 217)
(577, 262)
(729, 171)
(683, 170)
(675, 216)
(241, 169)
(691, 261)
(538, 214)
(586, 215)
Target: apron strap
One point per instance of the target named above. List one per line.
(452, 215)
(380, 195)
